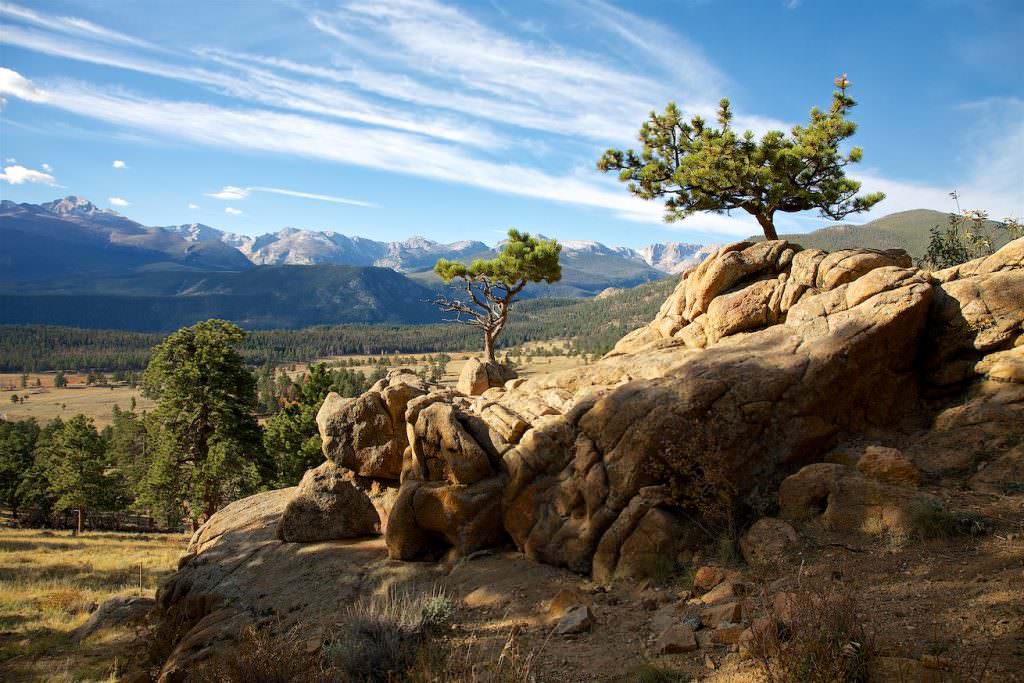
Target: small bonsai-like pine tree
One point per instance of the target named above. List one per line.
(698, 167)
(491, 285)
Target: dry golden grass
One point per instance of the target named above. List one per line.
(49, 582)
(46, 403)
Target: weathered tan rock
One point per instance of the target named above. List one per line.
(116, 612)
(579, 619)
(888, 465)
(847, 501)
(727, 634)
(977, 310)
(767, 541)
(725, 590)
(675, 640)
(708, 577)
(367, 434)
(478, 376)
(722, 613)
(327, 506)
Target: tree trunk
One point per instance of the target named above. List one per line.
(768, 226)
(489, 346)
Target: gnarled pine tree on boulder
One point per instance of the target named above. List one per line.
(491, 285)
(701, 168)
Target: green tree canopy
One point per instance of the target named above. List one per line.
(698, 167)
(73, 459)
(491, 285)
(17, 444)
(210, 450)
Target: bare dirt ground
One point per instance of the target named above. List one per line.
(957, 605)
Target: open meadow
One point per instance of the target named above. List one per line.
(43, 401)
(50, 581)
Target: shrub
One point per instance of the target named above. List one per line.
(930, 521)
(263, 655)
(817, 638)
(386, 636)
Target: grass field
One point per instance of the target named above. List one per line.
(47, 402)
(49, 581)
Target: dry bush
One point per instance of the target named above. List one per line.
(475, 665)
(385, 637)
(264, 655)
(699, 482)
(930, 521)
(66, 601)
(816, 638)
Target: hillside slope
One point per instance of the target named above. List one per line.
(907, 230)
(259, 298)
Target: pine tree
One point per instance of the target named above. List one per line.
(701, 168)
(210, 448)
(490, 286)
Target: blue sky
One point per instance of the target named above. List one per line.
(392, 118)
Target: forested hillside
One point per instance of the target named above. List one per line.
(594, 325)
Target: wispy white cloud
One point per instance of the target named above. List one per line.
(13, 83)
(232, 211)
(46, 167)
(118, 201)
(440, 97)
(193, 206)
(18, 175)
(119, 164)
(231, 192)
(72, 26)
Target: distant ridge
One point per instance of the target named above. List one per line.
(908, 230)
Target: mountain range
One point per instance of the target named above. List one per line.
(294, 246)
(68, 262)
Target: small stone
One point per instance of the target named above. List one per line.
(708, 577)
(579, 619)
(726, 590)
(676, 639)
(727, 612)
(564, 601)
(709, 663)
(888, 465)
(727, 634)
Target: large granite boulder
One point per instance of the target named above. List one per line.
(478, 376)
(327, 506)
(367, 434)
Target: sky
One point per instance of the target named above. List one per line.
(392, 118)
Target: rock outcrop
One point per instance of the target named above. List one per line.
(763, 359)
(367, 434)
(327, 506)
(763, 356)
(478, 376)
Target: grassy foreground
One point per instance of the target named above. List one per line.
(50, 581)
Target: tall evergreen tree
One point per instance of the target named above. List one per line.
(17, 445)
(210, 450)
(74, 463)
(701, 168)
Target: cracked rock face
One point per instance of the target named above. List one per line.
(763, 357)
(759, 360)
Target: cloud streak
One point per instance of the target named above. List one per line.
(450, 99)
